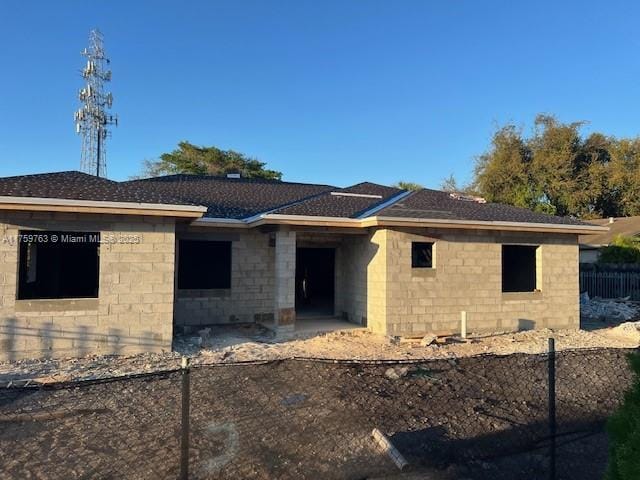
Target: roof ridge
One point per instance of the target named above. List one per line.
(62, 172)
(297, 202)
(385, 203)
(227, 179)
(374, 184)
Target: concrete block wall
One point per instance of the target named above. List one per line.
(468, 276)
(285, 278)
(351, 280)
(251, 296)
(361, 279)
(134, 309)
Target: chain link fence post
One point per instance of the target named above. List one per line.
(184, 441)
(552, 408)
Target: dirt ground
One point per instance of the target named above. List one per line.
(479, 418)
(251, 342)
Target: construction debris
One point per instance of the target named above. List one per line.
(428, 340)
(396, 373)
(249, 343)
(387, 447)
(620, 309)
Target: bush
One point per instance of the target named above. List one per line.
(624, 432)
(622, 250)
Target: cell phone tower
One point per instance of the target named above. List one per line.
(92, 119)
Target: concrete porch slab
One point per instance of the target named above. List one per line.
(322, 324)
(313, 325)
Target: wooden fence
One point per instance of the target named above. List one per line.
(610, 284)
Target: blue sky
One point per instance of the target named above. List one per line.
(325, 91)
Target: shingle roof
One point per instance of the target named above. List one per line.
(81, 186)
(433, 204)
(232, 197)
(243, 198)
(625, 226)
(336, 204)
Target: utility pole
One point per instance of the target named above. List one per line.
(92, 119)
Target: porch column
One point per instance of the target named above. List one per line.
(285, 288)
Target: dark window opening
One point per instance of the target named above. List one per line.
(518, 268)
(204, 265)
(422, 255)
(58, 265)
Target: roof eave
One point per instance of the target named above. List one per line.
(383, 221)
(484, 225)
(589, 246)
(98, 206)
(220, 222)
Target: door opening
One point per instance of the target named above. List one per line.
(315, 281)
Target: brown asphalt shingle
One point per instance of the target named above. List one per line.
(331, 205)
(623, 226)
(243, 198)
(433, 204)
(231, 197)
(81, 186)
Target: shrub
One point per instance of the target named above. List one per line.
(624, 432)
(622, 250)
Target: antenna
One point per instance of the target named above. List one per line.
(92, 119)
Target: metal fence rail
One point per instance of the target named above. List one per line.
(608, 284)
(482, 418)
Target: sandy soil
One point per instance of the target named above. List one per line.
(241, 343)
(359, 344)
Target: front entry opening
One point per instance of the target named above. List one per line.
(315, 281)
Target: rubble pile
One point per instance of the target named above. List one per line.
(620, 309)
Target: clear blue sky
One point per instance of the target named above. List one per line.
(325, 91)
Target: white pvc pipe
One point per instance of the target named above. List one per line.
(463, 324)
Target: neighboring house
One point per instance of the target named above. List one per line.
(590, 245)
(90, 265)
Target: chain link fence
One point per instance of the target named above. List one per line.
(485, 417)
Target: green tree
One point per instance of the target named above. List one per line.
(557, 170)
(624, 176)
(592, 196)
(408, 185)
(193, 159)
(504, 174)
(555, 150)
(624, 432)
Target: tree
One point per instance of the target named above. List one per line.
(449, 184)
(593, 196)
(624, 177)
(505, 173)
(408, 185)
(557, 170)
(555, 150)
(192, 159)
(624, 432)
